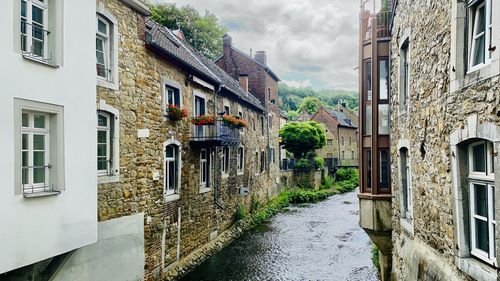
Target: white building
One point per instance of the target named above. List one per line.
(48, 197)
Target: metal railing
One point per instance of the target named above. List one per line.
(38, 45)
(383, 21)
(220, 132)
(36, 187)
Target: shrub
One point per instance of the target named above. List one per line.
(319, 162)
(346, 180)
(328, 182)
(303, 164)
(254, 204)
(375, 257)
(241, 212)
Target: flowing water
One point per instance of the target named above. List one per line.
(320, 241)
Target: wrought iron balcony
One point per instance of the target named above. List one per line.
(218, 134)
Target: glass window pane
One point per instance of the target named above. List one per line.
(23, 8)
(171, 179)
(25, 122)
(102, 150)
(383, 79)
(492, 158)
(169, 151)
(203, 155)
(479, 50)
(38, 142)
(383, 119)
(102, 164)
(482, 236)
(368, 120)
(38, 175)
(37, 15)
(99, 45)
(37, 48)
(102, 27)
(39, 121)
(368, 79)
(38, 158)
(102, 137)
(478, 158)
(384, 169)
(25, 141)
(102, 120)
(480, 200)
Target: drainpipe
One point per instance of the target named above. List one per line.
(216, 187)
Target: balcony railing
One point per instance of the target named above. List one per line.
(219, 134)
(41, 186)
(34, 41)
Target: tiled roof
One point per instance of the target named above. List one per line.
(341, 118)
(166, 41)
(271, 72)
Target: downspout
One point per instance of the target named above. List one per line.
(216, 187)
(267, 105)
(338, 141)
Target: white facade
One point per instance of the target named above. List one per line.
(45, 224)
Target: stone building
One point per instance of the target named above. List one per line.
(341, 147)
(445, 135)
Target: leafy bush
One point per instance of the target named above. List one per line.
(319, 162)
(303, 164)
(254, 204)
(346, 174)
(346, 180)
(328, 182)
(303, 137)
(241, 212)
(375, 257)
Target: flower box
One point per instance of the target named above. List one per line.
(203, 120)
(174, 113)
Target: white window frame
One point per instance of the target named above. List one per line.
(171, 195)
(226, 161)
(29, 28)
(113, 175)
(54, 148)
(404, 75)
(112, 79)
(205, 164)
(473, 7)
(176, 87)
(107, 130)
(106, 46)
(487, 257)
(240, 161)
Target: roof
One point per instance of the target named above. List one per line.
(267, 68)
(164, 40)
(341, 118)
(167, 42)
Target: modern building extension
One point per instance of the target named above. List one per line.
(375, 165)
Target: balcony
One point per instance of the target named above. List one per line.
(218, 134)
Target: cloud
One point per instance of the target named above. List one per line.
(299, 84)
(305, 40)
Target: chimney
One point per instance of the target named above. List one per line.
(244, 81)
(179, 34)
(260, 56)
(227, 41)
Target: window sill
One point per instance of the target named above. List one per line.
(225, 176)
(240, 173)
(205, 189)
(476, 269)
(107, 84)
(172, 197)
(41, 194)
(475, 76)
(38, 60)
(407, 225)
(102, 179)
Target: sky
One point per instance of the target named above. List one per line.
(308, 42)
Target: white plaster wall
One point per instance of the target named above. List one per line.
(35, 229)
(118, 255)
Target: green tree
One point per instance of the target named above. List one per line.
(204, 33)
(310, 104)
(301, 138)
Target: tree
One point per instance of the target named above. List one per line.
(301, 138)
(204, 33)
(310, 104)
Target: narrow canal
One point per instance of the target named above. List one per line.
(320, 241)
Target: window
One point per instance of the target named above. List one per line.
(405, 183)
(204, 169)
(329, 142)
(480, 32)
(227, 110)
(368, 120)
(384, 169)
(241, 160)
(262, 125)
(482, 201)
(368, 79)
(350, 142)
(270, 121)
(172, 169)
(39, 148)
(343, 155)
(34, 23)
(342, 140)
(198, 110)
(367, 156)
(172, 96)
(383, 84)
(35, 152)
(225, 160)
(103, 48)
(404, 77)
(383, 119)
(262, 161)
(257, 162)
(104, 143)
(352, 154)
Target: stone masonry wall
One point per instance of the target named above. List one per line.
(433, 114)
(139, 101)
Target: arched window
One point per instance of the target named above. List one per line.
(106, 49)
(172, 169)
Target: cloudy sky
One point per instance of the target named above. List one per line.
(308, 42)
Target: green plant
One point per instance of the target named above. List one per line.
(175, 113)
(254, 204)
(346, 180)
(240, 213)
(319, 162)
(375, 257)
(303, 164)
(328, 182)
(303, 137)
(203, 120)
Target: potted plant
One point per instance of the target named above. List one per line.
(175, 113)
(203, 120)
(234, 121)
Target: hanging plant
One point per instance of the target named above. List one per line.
(175, 113)
(203, 120)
(234, 121)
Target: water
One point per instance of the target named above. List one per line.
(320, 241)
